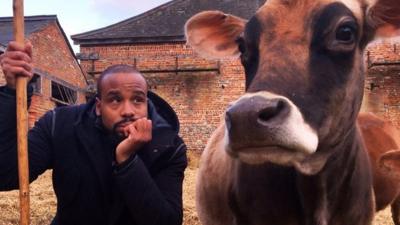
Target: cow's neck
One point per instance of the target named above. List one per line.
(324, 198)
(344, 186)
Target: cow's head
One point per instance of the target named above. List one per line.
(303, 61)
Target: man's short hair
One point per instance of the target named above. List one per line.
(120, 68)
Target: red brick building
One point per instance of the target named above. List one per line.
(382, 91)
(58, 79)
(199, 90)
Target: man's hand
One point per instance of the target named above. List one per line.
(17, 61)
(137, 134)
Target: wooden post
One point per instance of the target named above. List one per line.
(22, 120)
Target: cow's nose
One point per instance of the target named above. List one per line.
(267, 123)
(255, 116)
(272, 111)
(257, 111)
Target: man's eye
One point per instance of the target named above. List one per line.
(115, 100)
(138, 100)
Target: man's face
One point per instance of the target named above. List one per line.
(123, 99)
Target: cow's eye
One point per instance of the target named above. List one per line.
(343, 38)
(346, 34)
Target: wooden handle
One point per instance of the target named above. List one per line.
(22, 120)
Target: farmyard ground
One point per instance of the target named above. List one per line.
(43, 203)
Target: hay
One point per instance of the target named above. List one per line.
(43, 202)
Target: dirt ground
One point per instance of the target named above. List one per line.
(43, 203)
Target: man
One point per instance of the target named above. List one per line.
(116, 160)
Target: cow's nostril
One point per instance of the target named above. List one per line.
(272, 110)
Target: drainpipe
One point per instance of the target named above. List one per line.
(92, 57)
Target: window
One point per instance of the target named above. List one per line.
(63, 95)
(36, 83)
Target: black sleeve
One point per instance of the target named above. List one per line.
(39, 146)
(157, 200)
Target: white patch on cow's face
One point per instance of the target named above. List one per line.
(295, 139)
(355, 7)
(370, 3)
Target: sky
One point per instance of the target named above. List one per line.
(77, 16)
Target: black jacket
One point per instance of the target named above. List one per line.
(144, 190)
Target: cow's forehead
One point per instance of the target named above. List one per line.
(354, 6)
(301, 8)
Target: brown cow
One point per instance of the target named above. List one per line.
(381, 138)
(390, 163)
(290, 152)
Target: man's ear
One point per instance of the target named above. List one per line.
(384, 17)
(213, 34)
(98, 106)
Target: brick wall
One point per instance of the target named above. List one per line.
(54, 61)
(382, 86)
(383, 51)
(200, 98)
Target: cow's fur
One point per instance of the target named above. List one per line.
(389, 163)
(382, 140)
(290, 151)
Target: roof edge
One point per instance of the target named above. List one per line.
(130, 19)
(132, 40)
(30, 18)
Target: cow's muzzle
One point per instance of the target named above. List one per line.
(266, 127)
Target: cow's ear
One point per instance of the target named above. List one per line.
(213, 34)
(384, 17)
(390, 161)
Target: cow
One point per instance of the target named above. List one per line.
(381, 138)
(289, 151)
(389, 162)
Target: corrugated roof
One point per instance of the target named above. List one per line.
(164, 23)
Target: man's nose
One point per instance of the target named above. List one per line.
(127, 109)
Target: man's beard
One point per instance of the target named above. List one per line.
(117, 135)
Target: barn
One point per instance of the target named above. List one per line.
(58, 78)
(200, 90)
(382, 86)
